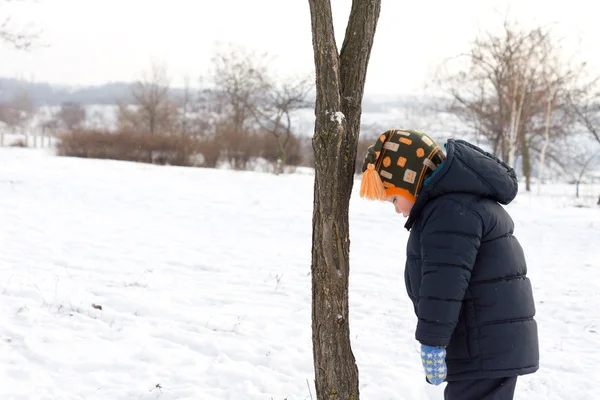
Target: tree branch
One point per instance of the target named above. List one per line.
(356, 49)
(326, 57)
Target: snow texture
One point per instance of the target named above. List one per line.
(129, 281)
(337, 116)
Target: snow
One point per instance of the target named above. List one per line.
(202, 277)
(337, 116)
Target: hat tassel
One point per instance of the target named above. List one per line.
(371, 185)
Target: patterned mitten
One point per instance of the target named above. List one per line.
(434, 363)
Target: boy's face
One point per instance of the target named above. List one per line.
(402, 204)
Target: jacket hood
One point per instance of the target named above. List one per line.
(468, 169)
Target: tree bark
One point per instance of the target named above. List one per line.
(282, 151)
(549, 107)
(582, 171)
(340, 83)
(514, 125)
(526, 159)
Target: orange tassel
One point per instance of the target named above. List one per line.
(371, 185)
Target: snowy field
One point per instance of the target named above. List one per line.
(202, 277)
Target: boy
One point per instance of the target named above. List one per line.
(465, 271)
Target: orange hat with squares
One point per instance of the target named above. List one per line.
(398, 163)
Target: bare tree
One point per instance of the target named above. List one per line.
(493, 91)
(512, 82)
(50, 125)
(585, 104)
(186, 109)
(17, 38)
(583, 165)
(340, 80)
(275, 114)
(207, 112)
(153, 110)
(71, 116)
(558, 118)
(241, 81)
(17, 113)
(4, 115)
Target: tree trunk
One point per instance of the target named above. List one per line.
(526, 160)
(282, 143)
(281, 161)
(504, 148)
(282, 154)
(549, 105)
(152, 123)
(516, 122)
(340, 83)
(512, 130)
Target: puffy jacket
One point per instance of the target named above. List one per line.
(466, 272)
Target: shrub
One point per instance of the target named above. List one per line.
(19, 143)
(210, 149)
(129, 146)
(238, 147)
(269, 149)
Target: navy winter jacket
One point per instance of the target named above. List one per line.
(466, 272)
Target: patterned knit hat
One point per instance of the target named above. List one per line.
(398, 164)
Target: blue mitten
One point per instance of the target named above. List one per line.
(434, 363)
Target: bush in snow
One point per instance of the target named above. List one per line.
(130, 146)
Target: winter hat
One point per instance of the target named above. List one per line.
(398, 163)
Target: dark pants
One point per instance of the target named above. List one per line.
(481, 389)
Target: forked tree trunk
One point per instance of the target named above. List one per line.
(340, 83)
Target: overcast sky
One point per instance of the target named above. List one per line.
(95, 41)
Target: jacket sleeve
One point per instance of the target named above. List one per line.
(450, 239)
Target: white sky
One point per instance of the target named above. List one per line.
(95, 41)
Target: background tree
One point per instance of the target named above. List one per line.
(71, 116)
(153, 110)
(14, 37)
(274, 114)
(582, 167)
(241, 81)
(187, 110)
(555, 120)
(511, 89)
(585, 104)
(17, 113)
(340, 80)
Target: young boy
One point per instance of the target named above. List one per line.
(465, 271)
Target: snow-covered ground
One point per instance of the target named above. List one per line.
(202, 277)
